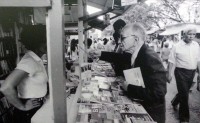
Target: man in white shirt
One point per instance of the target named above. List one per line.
(170, 42)
(184, 56)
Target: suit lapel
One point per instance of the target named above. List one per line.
(139, 59)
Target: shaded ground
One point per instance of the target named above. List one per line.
(194, 104)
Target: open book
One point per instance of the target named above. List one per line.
(134, 76)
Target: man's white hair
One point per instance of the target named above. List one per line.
(139, 28)
(189, 29)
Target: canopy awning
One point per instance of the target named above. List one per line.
(111, 7)
(151, 31)
(114, 8)
(25, 3)
(177, 28)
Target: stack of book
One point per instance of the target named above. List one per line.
(112, 113)
(102, 101)
(104, 69)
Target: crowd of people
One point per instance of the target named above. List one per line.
(129, 47)
(104, 44)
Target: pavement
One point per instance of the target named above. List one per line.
(194, 104)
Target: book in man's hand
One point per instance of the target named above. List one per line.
(134, 77)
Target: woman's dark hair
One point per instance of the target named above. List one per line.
(73, 45)
(119, 24)
(33, 36)
(166, 45)
(89, 42)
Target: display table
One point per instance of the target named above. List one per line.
(97, 100)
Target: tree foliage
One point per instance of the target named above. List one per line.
(164, 12)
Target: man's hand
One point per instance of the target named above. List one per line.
(120, 79)
(30, 104)
(95, 53)
(169, 78)
(125, 85)
(170, 72)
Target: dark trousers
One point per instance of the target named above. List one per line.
(23, 116)
(157, 112)
(20, 116)
(184, 79)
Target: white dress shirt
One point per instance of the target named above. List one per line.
(170, 43)
(35, 85)
(185, 55)
(134, 55)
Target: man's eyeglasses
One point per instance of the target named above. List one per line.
(191, 34)
(124, 37)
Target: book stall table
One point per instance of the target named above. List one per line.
(99, 99)
(102, 100)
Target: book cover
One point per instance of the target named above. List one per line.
(136, 118)
(134, 76)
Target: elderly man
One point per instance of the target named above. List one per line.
(133, 37)
(185, 55)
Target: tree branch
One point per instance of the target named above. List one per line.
(170, 18)
(168, 4)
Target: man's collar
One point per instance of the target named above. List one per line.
(184, 43)
(134, 55)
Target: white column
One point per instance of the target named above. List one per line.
(85, 24)
(80, 32)
(55, 46)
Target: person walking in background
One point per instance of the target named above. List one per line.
(153, 72)
(198, 70)
(196, 77)
(165, 52)
(26, 87)
(105, 41)
(176, 39)
(89, 49)
(184, 56)
(169, 41)
(74, 49)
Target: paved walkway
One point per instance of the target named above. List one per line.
(194, 101)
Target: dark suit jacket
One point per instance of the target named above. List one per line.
(153, 73)
(154, 76)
